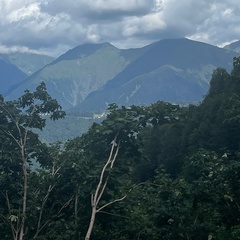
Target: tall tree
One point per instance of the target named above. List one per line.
(18, 119)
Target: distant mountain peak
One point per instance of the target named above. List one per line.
(83, 50)
(89, 76)
(27, 62)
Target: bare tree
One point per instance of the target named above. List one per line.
(103, 181)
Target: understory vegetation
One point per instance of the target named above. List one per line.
(145, 173)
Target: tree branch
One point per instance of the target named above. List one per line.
(110, 203)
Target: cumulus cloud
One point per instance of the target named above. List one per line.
(221, 25)
(53, 26)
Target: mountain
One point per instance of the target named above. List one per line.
(15, 67)
(78, 72)
(172, 70)
(27, 62)
(90, 76)
(10, 76)
(235, 46)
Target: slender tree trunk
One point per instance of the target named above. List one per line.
(91, 224)
(76, 212)
(25, 183)
(96, 197)
(76, 207)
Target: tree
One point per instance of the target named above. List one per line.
(101, 186)
(121, 125)
(18, 119)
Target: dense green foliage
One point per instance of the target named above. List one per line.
(178, 166)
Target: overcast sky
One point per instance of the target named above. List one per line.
(54, 26)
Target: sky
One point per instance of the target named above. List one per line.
(54, 26)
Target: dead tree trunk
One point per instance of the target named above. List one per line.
(96, 197)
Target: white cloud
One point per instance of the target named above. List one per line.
(54, 26)
(143, 25)
(220, 25)
(123, 5)
(32, 10)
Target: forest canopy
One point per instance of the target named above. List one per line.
(154, 172)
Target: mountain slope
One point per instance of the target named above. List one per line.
(235, 46)
(174, 70)
(75, 74)
(10, 76)
(27, 62)
(89, 77)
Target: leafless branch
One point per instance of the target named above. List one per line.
(50, 188)
(110, 203)
(96, 197)
(14, 230)
(52, 217)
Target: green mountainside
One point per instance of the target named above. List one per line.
(173, 70)
(89, 77)
(73, 127)
(72, 76)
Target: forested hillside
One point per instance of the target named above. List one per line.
(156, 172)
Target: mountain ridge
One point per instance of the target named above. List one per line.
(71, 77)
(196, 57)
(27, 62)
(90, 76)
(234, 46)
(10, 76)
